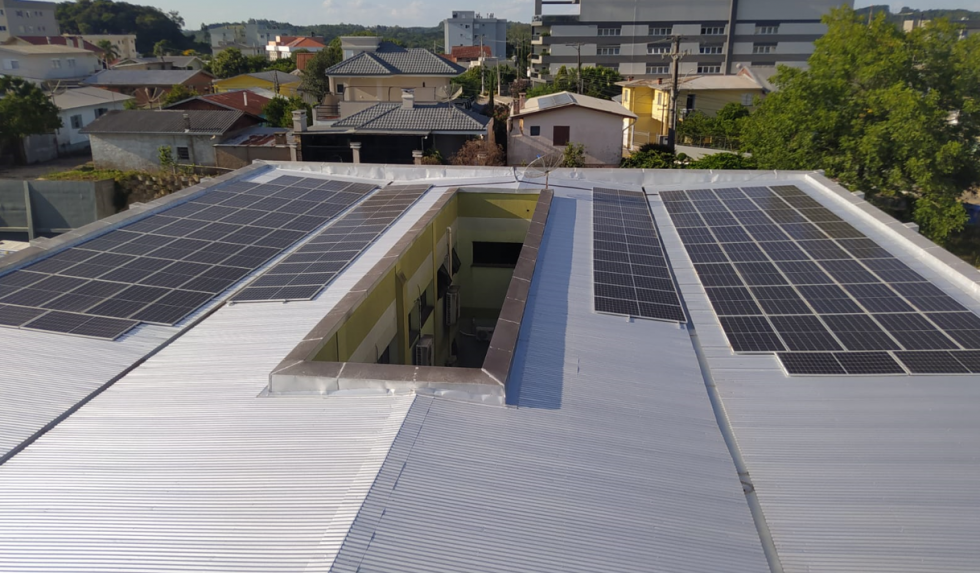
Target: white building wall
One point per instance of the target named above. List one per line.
(124, 43)
(601, 133)
(69, 66)
(27, 19)
(137, 152)
(466, 28)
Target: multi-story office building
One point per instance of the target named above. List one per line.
(251, 39)
(634, 36)
(19, 18)
(472, 29)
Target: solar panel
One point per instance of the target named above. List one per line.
(786, 274)
(357, 230)
(632, 276)
(165, 266)
(938, 362)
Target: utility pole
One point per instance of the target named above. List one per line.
(675, 56)
(578, 51)
(483, 62)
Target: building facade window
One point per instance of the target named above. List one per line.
(71, 62)
(658, 69)
(709, 70)
(747, 99)
(661, 31)
(99, 112)
(610, 31)
(76, 122)
(183, 153)
(535, 130)
(710, 49)
(657, 49)
(712, 30)
(763, 48)
(608, 51)
(562, 135)
(56, 63)
(766, 30)
(11, 65)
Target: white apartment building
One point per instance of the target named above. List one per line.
(20, 18)
(472, 29)
(634, 36)
(125, 43)
(251, 39)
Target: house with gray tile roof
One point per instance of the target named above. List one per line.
(389, 132)
(376, 71)
(131, 139)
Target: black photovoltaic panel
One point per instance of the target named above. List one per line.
(780, 261)
(164, 267)
(935, 362)
(303, 274)
(632, 276)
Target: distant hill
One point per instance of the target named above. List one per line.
(907, 13)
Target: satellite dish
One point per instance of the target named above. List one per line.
(542, 167)
(54, 88)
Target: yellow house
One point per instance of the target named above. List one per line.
(274, 81)
(650, 101)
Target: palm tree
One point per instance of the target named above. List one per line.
(110, 52)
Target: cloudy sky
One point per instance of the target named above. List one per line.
(392, 12)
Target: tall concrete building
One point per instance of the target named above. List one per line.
(19, 18)
(634, 36)
(468, 28)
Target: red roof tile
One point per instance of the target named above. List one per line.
(470, 52)
(241, 100)
(75, 42)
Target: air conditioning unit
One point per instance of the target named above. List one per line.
(452, 305)
(424, 351)
(484, 333)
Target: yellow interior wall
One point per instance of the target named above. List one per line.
(502, 217)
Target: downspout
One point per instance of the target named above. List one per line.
(730, 43)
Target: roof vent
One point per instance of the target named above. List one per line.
(408, 99)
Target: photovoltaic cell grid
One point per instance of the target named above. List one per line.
(631, 273)
(162, 268)
(306, 272)
(786, 275)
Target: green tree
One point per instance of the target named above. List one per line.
(723, 161)
(229, 63)
(178, 92)
(597, 81)
(106, 17)
(24, 110)
(885, 112)
(279, 111)
(110, 52)
(573, 155)
(729, 123)
(315, 81)
(696, 128)
(163, 48)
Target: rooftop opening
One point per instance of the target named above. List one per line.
(441, 311)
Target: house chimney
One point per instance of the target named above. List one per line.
(299, 121)
(187, 123)
(245, 97)
(520, 101)
(408, 99)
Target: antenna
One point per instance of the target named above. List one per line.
(542, 166)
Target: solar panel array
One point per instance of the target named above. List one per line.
(303, 274)
(631, 273)
(162, 268)
(786, 275)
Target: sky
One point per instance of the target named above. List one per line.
(395, 12)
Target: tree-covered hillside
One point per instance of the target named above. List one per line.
(151, 25)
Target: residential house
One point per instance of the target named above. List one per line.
(392, 132)
(159, 63)
(251, 39)
(649, 99)
(283, 47)
(125, 44)
(78, 107)
(634, 38)
(18, 18)
(546, 124)
(257, 143)
(149, 86)
(244, 100)
(72, 41)
(472, 29)
(379, 71)
(275, 81)
(47, 63)
(131, 140)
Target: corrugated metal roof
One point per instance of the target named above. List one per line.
(567, 99)
(164, 78)
(83, 97)
(427, 117)
(612, 460)
(274, 76)
(393, 60)
(202, 122)
(180, 466)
